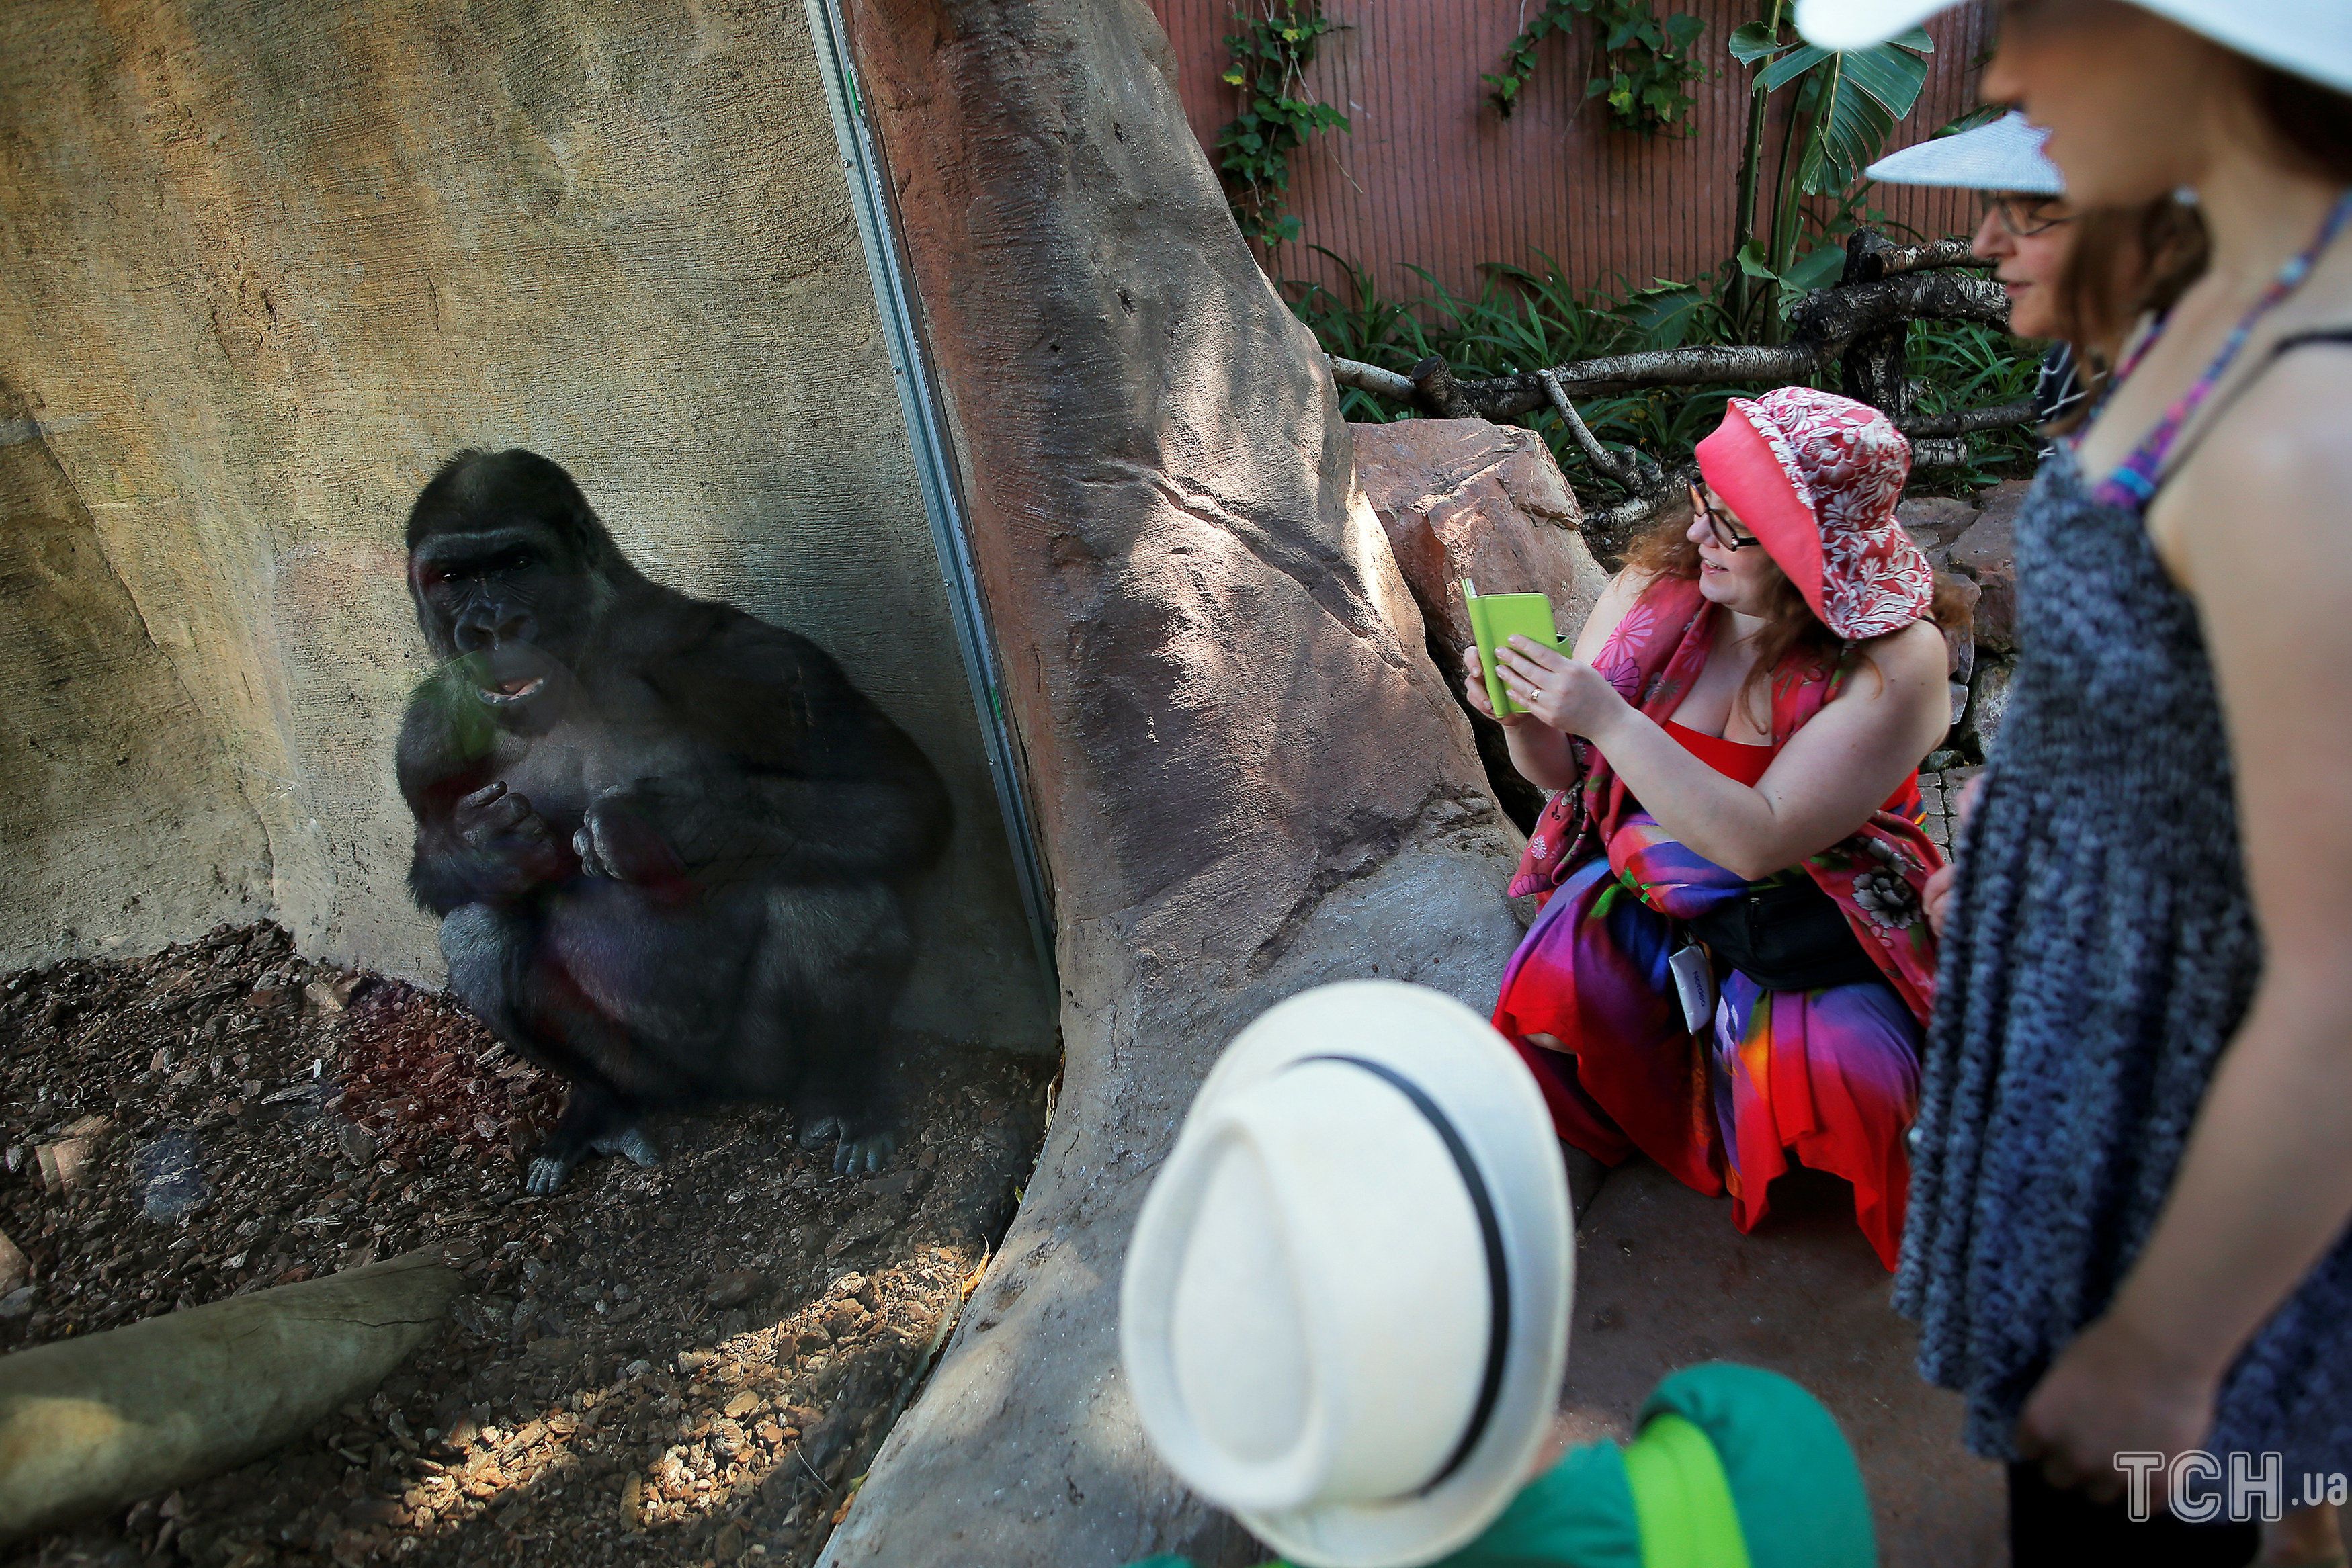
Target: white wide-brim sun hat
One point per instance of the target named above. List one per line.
(1346, 1305)
(2005, 155)
(2309, 38)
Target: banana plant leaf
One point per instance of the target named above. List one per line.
(1857, 97)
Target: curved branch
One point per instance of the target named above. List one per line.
(1614, 525)
(1835, 316)
(1371, 379)
(1625, 470)
(1824, 323)
(1507, 397)
(1965, 420)
(1924, 258)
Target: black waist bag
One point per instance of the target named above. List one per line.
(1786, 936)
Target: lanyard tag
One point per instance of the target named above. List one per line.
(1694, 974)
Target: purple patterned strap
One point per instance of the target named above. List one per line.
(2134, 482)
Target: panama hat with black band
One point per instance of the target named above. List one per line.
(1345, 1310)
(2307, 38)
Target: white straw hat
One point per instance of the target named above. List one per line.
(2004, 156)
(2309, 38)
(1346, 1305)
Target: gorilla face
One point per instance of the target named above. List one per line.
(501, 579)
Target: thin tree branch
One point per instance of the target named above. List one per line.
(1607, 464)
(1999, 417)
(1371, 379)
(1823, 324)
(1925, 257)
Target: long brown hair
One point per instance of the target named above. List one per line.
(1790, 627)
(2124, 261)
(2128, 261)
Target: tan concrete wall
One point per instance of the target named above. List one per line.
(264, 265)
(121, 824)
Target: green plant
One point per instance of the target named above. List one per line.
(1522, 318)
(1956, 365)
(1646, 64)
(1845, 108)
(1270, 57)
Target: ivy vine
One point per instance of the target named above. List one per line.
(1270, 57)
(1646, 64)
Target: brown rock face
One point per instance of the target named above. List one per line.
(1986, 554)
(1248, 778)
(1959, 637)
(1463, 498)
(1934, 522)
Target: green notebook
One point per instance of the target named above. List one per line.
(1494, 618)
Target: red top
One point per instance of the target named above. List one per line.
(1745, 764)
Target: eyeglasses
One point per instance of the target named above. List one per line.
(2025, 217)
(1721, 527)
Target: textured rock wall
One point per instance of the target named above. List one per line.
(1461, 498)
(264, 265)
(1249, 777)
(122, 823)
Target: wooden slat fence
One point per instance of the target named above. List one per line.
(1431, 175)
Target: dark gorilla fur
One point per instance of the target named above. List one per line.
(670, 845)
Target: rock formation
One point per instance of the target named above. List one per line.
(1248, 777)
(1463, 498)
(1986, 554)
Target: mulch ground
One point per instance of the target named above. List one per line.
(687, 1365)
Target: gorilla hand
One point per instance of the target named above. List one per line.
(508, 840)
(617, 840)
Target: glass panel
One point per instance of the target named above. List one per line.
(492, 778)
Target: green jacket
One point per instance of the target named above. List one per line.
(1735, 1468)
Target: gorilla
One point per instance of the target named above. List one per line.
(670, 845)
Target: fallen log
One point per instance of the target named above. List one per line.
(91, 1424)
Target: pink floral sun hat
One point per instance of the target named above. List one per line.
(1816, 477)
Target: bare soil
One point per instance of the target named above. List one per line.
(687, 1365)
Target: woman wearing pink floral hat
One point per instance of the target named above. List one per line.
(1736, 839)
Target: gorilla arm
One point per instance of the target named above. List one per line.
(802, 778)
(476, 842)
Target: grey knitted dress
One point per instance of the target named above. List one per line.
(2102, 952)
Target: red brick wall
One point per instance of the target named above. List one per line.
(1430, 175)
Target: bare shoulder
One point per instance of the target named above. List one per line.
(2274, 475)
(1610, 609)
(1915, 657)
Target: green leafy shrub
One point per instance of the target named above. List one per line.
(1647, 64)
(1270, 56)
(1523, 320)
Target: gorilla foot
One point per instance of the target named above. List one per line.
(857, 1157)
(594, 1120)
(632, 1142)
(857, 1152)
(552, 1164)
(544, 1174)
